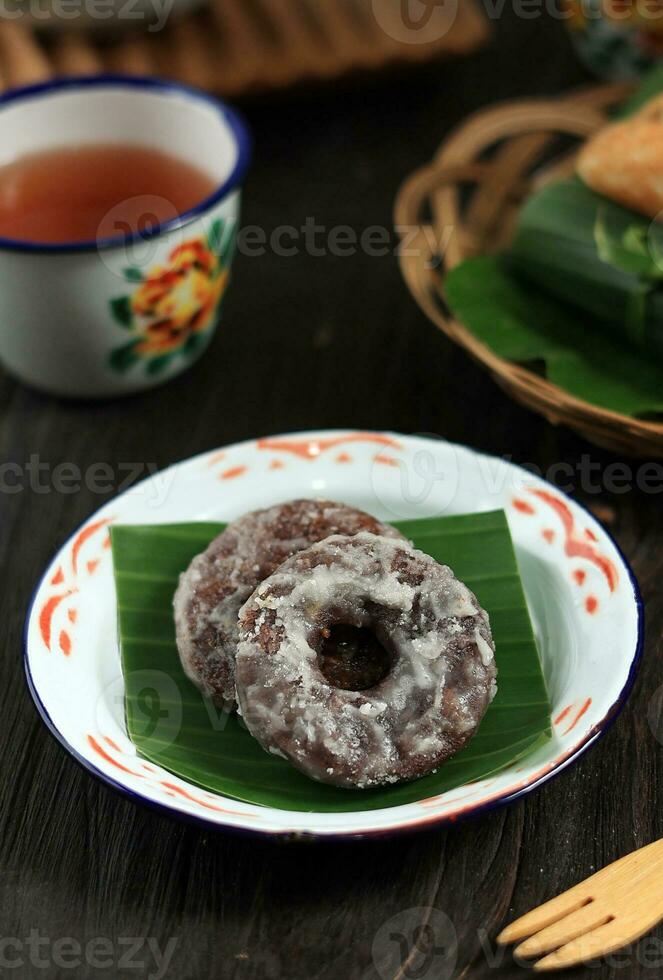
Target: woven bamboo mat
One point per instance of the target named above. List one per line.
(234, 46)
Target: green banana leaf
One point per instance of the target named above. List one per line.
(597, 256)
(524, 324)
(650, 86)
(579, 291)
(171, 724)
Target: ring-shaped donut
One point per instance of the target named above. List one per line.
(218, 581)
(439, 683)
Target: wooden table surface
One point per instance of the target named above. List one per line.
(310, 342)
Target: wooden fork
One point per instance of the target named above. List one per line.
(607, 912)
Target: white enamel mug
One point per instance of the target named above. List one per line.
(126, 311)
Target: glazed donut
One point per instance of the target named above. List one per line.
(217, 582)
(438, 672)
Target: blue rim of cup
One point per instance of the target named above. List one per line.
(229, 116)
(596, 733)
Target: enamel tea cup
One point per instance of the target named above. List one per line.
(129, 309)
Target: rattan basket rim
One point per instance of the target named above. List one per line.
(523, 129)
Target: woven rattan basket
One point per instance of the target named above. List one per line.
(475, 186)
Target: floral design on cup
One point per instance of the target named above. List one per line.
(174, 308)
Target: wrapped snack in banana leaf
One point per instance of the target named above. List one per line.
(596, 240)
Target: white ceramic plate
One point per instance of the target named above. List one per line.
(583, 599)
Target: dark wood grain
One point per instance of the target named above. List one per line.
(313, 342)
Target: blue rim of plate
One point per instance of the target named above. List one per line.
(230, 117)
(436, 820)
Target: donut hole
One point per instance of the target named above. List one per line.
(352, 658)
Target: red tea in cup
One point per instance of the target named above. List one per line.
(98, 191)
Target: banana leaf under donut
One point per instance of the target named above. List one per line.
(172, 726)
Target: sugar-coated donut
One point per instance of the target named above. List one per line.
(440, 672)
(217, 582)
